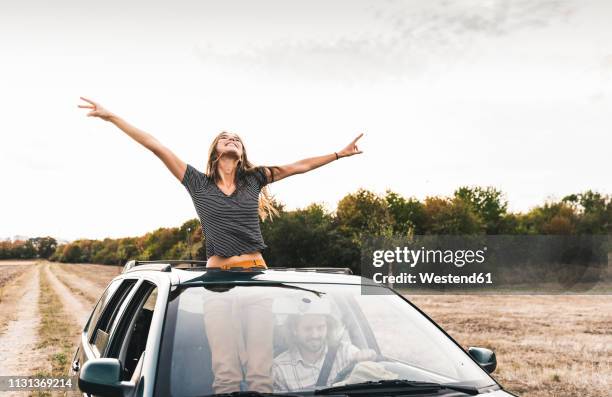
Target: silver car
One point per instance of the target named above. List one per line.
(315, 331)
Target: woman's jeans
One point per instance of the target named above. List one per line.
(239, 326)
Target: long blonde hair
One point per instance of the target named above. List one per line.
(266, 203)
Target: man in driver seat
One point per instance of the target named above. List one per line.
(315, 356)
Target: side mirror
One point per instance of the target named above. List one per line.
(102, 377)
(484, 357)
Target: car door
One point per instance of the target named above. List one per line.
(130, 334)
(95, 336)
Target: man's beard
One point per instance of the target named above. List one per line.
(314, 345)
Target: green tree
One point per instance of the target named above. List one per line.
(44, 246)
(362, 214)
(180, 250)
(408, 214)
(26, 249)
(594, 212)
(127, 249)
(488, 203)
(72, 253)
(107, 252)
(159, 242)
(451, 216)
(299, 238)
(551, 218)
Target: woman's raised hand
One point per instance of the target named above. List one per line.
(97, 110)
(351, 148)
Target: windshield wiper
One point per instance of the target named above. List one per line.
(251, 394)
(394, 386)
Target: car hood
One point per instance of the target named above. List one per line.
(497, 393)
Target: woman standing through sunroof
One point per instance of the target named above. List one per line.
(229, 199)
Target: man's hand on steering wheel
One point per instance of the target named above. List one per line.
(362, 355)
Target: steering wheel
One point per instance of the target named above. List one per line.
(346, 371)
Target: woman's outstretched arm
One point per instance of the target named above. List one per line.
(276, 173)
(173, 162)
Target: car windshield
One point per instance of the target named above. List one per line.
(300, 337)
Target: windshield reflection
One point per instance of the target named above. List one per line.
(300, 337)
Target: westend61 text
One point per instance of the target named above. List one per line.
(432, 278)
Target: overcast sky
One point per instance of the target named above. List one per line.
(511, 94)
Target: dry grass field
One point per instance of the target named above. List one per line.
(545, 345)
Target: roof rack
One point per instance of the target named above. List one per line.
(192, 263)
(171, 262)
(341, 270)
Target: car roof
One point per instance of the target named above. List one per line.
(269, 275)
(199, 275)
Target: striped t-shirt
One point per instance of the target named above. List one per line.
(230, 222)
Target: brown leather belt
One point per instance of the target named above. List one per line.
(242, 264)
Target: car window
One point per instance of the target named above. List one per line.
(100, 334)
(417, 346)
(276, 336)
(102, 302)
(108, 293)
(130, 338)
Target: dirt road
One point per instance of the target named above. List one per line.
(71, 302)
(28, 346)
(18, 342)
